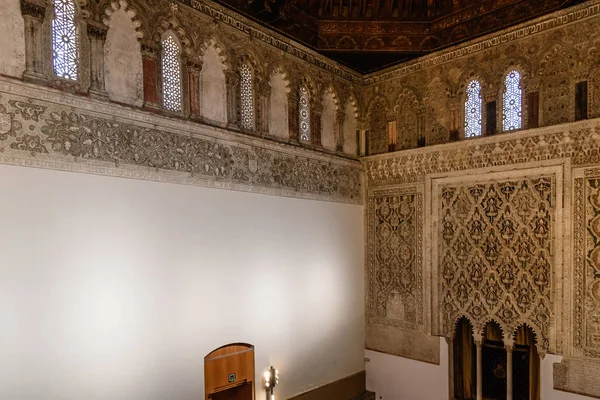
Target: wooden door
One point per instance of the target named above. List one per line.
(243, 392)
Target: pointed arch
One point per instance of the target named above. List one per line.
(512, 101)
(493, 330)
(278, 117)
(122, 54)
(526, 343)
(304, 121)
(463, 353)
(406, 109)
(247, 96)
(377, 117)
(330, 104)
(171, 72)
(349, 127)
(12, 41)
(555, 71)
(132, 12)
(473, 109)
(65, 40)
(213, 88)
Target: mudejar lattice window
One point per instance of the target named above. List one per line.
(171, 74)
(304, 112)
(512, 102)
(65, 40)
(247, 97)
(473, 110)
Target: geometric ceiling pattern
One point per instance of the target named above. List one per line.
(367, 35)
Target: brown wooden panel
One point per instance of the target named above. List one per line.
(242, 392)
(235, 359)
(343, 389)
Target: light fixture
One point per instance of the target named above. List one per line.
(271, 380)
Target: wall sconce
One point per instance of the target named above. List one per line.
(271, 380)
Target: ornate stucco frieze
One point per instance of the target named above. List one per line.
(51, 129)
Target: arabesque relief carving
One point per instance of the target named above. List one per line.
(45, 131)
(395, 289)
(495, 254)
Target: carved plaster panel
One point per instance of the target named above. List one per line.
(494, 251)
(579, 142)
(586, 271)
(46, 128)
(395, 294)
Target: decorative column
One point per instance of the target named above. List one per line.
(232, 81)
(454, 130)
(97, 35)
(478, 344)
(339, 131)
(193, 69)
(150, 76)
(509, 345)
(33, 12)
(316, 111)
(263, 108)
(362, 133)
(293, 116)
(450, 343)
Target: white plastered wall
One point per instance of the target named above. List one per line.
(328, 122)
(278, 120)
(213, 93)
(12, 39)
(123, 60)
(116, 289)
(349, 128)
(397, 378)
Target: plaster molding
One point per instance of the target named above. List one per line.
(47, 128)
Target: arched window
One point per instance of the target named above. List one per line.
(473, 110)
(304, 111)
(65, 40)
(247, 97)
(511, 110)
(171, 73)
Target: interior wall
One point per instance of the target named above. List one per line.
(116, 289)
(12, 40)
(123, 61)
(213, 91)
(328, 122)
(278, 118)
(397, 378)
(349, 128)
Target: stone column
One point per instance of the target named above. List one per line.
(509, 370)
(362, 129)
(193, 70)
(232, 82)
(150, 76)
(454, 124)
(263, 107)
(450, 343)
(97, 36)
(34, 12)
(339, 131)
(315, 124)
(293, 116)
(478, 344)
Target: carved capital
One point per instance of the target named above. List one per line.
(96, 30)
(232, 78)
(194, 67)
(34, 9)
(149, 51)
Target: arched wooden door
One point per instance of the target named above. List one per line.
(229, 373)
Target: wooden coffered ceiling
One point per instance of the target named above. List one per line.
(368, 35)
